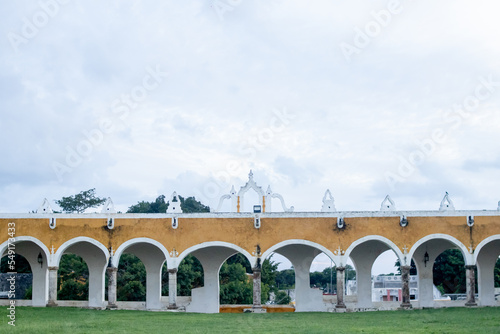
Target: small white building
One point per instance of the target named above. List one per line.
(389, 288)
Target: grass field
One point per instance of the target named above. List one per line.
(73, 320)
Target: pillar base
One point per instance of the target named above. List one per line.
(52, 303)
(471, 304)
(338, 310)
(255, 310)
(172, 307)
(111, 307)
(405, 306)
(340, 305)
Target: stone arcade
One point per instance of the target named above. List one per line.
(101, 238)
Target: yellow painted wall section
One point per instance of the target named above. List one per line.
(241, 231)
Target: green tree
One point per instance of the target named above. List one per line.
(159, 205)
(22, 265)
(241, 259)
(191, 205)
(73, 290)
(320, 279)
(269, 273)
(131, 279)
(80, 202)
(189, 275)
(282, 298)
(449, 272)
(72, 278)
(236, 286)
(285, 279)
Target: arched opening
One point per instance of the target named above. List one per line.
(72, 278)
(81, 274)
(488, 271)
(23, 279)
(131, 279)
(26, 254)
(387, 283)
(323, 276)
(301, 254)
(236, 282)
(440, 263)
(211, 256)
(449, 275)
(140, 270)
(368, 255)
(189, 276)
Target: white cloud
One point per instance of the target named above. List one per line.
(352, 120)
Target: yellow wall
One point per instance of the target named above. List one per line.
(241, 232)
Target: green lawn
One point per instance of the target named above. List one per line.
(73, 320)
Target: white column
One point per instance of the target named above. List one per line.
(364, 284)
(39, 289)
(424, 269)
(306, 298)
(486, 261)
(97, 272)
(172, 288)
(206, 299)
(153, 287)
(40, 292)
(425, 285)
(52, 286)
(364, 256)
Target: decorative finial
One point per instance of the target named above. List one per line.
(44, 207)
(269, 191)
(174, 205)
(388, 204)
(108, 207)
(328, 202)
(446, 204)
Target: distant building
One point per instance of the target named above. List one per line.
(389, 288)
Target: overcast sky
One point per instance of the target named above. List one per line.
(138, 99)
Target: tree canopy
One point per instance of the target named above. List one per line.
(80, 202)
(159, 205)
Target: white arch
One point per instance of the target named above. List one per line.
(468, 258)
(484, 243)
(5, 245)
(60, 251)
(312, 244)
(207, 244)
(380, 238)
(116, 256)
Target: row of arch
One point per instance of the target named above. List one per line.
(172, 261)
(212, 255)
